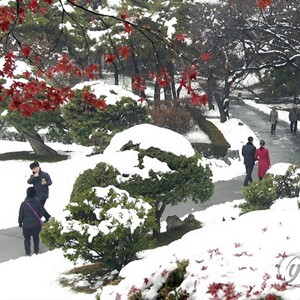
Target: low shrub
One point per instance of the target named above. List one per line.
(176, 118)
(259, 195)
(103, 225)
(262, 194)
(219, 145)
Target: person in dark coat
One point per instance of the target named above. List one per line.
(294, 116)
(264, 162)
(41, 182)
(30, 213)
(248, 152)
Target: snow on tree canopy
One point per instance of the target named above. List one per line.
(111, 93)
(147, 135)
(119, 214)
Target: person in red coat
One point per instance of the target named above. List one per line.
(264, 162)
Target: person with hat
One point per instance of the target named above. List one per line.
(264, 162)
(30, 214)
(41, 182)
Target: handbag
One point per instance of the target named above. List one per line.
(41, 222)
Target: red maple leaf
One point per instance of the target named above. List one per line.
(128, 28)
(138, 83)
(214, 288)
(33, 5)
(109, 58)
(262, 4)
(124, 51)
(181, 37)
(26, 51)
(205, 56)
(9, 65)
(91, 71)
(124, 14)
(43, 10)
(197, 100)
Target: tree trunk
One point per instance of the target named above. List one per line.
(38, 145)
(210, 88)
(219, 102)
(156, 96)
(158, 214)
(172, 78)
(116, 73)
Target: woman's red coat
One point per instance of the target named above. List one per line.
(263, 157)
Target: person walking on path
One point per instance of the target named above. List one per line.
(30, 213)
(41, 182)
(273, 119)
(264, 162)
(294, 116)
(248, 152)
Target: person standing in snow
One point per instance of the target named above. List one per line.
(264, 162)
(248, 152)
(41, 181)
(30, 213)
(273, 119)
(294, 116)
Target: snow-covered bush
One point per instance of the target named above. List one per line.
(261, 194)
(103, 224)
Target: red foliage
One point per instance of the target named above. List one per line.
(205, 56)
(91, 100)
(33, 6)
(197, 100)
(138, 83)
(128, 28)
(163, 78)
(182, 37)
(7, 16)
(64, 66)
(227, 288)
(109, 58)
(262, 4)
(8, 66)
(90, 72)
(26, 51)
(124, 51)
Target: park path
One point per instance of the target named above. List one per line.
(283, 147)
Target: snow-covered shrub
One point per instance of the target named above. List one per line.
(288, 185)
(261, 194)
(103, 224)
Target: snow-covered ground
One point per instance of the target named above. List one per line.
(244, 252)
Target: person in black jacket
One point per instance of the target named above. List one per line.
(41, 181)
(30, 214)
(248, 152)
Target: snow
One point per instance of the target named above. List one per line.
(243, 250)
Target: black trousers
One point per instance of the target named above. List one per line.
(273, 128)
(293, 126)
(34, 233)
(248, 178)
(46, 214)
